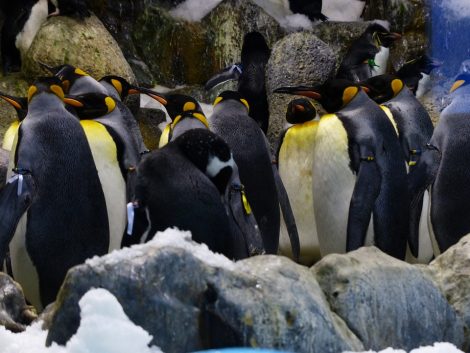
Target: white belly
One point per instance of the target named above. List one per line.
(296, 171)
(342, 10)
(38, 16)
(381, 59)
(333, 185)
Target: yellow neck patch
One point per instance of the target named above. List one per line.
(397, 86)
(58, 91)
(80, 72)
(390, 117)
(189, 106)
(165, 136)
(31, 92)
(245, 102)
(110, 103)
(349, 93)
(217, 101)
(456, 85)
(118, 85)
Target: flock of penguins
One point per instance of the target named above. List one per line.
(371, 171)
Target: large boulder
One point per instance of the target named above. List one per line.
(188, 299)
(297, 59)
(15, 314)
(181, 52)
(13, 85)
(85, 44)
(387, 302)
(451, 272)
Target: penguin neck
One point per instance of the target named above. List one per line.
(112, 92)
(360, 99)
(44, 101)
(86, 84)
(229, 105)
(459, 102)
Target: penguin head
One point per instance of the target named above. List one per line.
(180, 104)
(382, 88)
(66, 73)
(300, 110)
(333, 95)
(121, 85)
(412, 71)
(91, 105)
(48, 85)
(19, 103)
(209, 153)
(254, 48)
(232, 96)
(461, 81)
(381, 36)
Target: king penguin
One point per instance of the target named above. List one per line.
(295, 163)
(365, 54)
(230, 120)
(21, 106)
(359, 171)
(442, 169)
(53, 207)
(415, 129)
(250, 74)
(192, 183)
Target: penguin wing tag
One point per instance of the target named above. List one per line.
(130, 218)
(15, 200)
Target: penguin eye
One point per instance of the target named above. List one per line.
(189, 106)
(31, 92)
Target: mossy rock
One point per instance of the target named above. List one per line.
(85, 44)
(14, 85)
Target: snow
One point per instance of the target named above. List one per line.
(171, 237)
(457, 9)
(195, 10)
(104, 328)
(440, 347)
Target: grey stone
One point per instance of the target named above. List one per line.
(15, 314)
(85, 44)
(148, 120)
(189, 299)
(4, 159)
(387, 302)
(15, 85)
(451, 272)
(297, 59)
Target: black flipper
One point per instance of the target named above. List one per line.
(286, 210)
(243, 222)
(232, 72)
(365, 192)
(15, 198)
(421, 176)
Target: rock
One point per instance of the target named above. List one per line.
(85, 44)
(297, 59)
(180, 52)
(4, 159)
(189, 299)
(387, 302)
(451, 272)
(14, 85)
(15, 314)
(149, 121)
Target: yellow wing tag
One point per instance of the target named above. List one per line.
(246, 204)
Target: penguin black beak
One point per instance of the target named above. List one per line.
(299, 91)
(393, 36)
(155, 95)
(52, 70)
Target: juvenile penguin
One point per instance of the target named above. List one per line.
(414, 128)
(366, 53)
(295, 163)
(442, 168)
(359, 171)
(415, 74)
(192, 183)
(230, 121)
(53, 207)
(250, 74)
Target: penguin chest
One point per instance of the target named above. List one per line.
(10, 134)
(381, 60)
(296, 171)
(103, 149)
(333, 184)
(36, 18)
